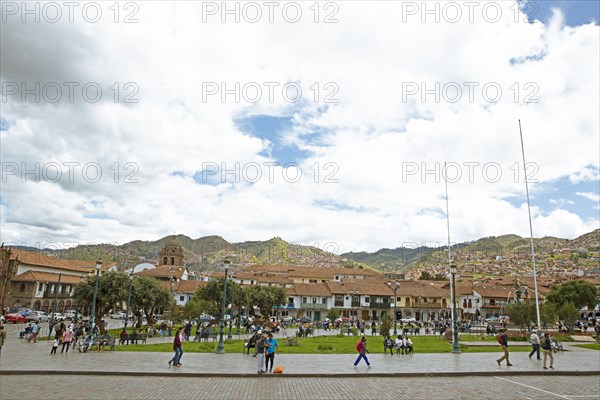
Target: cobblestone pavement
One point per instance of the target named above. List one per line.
(149, 388)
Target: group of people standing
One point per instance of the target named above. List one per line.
(544, 343)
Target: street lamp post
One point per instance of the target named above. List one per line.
(98, 268)
(128, 300)
(231, 315)
(455, 347)
(54, 307)
(221, 346)
(395, 289)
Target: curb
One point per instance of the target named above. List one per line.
(299, 375)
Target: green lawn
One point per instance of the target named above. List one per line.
(320, 345)
(593, 346)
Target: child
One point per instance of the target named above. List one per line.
(54, 346)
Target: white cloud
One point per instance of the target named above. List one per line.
(589, 195)
(373, 138)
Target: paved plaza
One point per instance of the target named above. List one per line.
(28, 371)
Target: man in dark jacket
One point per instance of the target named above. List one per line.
(503, 341)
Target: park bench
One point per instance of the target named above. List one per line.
(135, 338)
(110, 343)
(205, 336)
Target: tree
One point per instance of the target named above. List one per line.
(580, 293)
(386, 325)
(521, 313)
(426, 276)
(149, 296)
(333, 314)
(568, 312)
(212, 293)
(548, 313)
(112, 290)
(266, 298)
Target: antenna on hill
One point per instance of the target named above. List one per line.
(537, 302)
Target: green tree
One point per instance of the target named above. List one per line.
(548, 313)
(112, 290)
(212, 294)
(580, 293)
(522, 313)
(266, 298)
(333, 314)
(386, 325)
(568, 312)
(148, 296)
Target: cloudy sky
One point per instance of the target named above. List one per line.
(324, 123)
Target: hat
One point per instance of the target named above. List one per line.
(534, 331)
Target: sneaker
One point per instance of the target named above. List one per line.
(498, 361)
(551, 367)
(530, 356)
(509, 365)
(545, 367)
(170, 362)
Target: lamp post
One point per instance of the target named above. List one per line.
(395, 289)
(98, 268)
(128, 300)
(221, 346)
(54, 306)
(455, 347)
(231, 315)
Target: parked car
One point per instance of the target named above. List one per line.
(2, 319)
(37, 316)
(57, 316)
(71, 314)
(304, 320)
(118, 315)
(287, 318)
(408, 320)
(15, 318)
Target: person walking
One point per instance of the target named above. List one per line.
(54, 346)
(535, 344)
(361, 347)
(2, 336)
(260, 354)
(547, 349)
(67, 338)
(178, 347)
(272, 347)
(503, 341)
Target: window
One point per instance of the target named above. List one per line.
(22, 287)
(339, 300)
(312, 281)
(181, 298)
(290, 300)
(492, 302)
(172, 260)
(304, 300)
(165, 261)
(367, 300)
(314, 300)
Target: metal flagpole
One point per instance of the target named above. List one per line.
(537, 302)
(455, 347)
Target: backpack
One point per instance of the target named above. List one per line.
(499, 338)
(359, 346)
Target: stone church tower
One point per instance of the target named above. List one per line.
(171, 253)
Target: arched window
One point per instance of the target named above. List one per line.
(172, 260)
(165, 261)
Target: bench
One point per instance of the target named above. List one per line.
(134, 338)
(205, 336)
(110, 343)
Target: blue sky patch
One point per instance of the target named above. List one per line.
(576, 12)
(273, 129)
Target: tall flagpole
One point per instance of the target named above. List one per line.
(455, 346)
(537, 302)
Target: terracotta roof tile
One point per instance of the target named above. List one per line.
(163, 271)
(42, 260)
(37, 276)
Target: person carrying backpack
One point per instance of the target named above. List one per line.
(361, 347)
(546, 344)
(503, 342)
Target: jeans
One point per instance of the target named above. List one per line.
(177, 357)
(271, 358)
(65, 345)
(260, 359)
(535, 349)
(360, 356)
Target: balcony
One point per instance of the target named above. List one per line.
(429, 304)
(379, 305)
(50, 294)
(313, 306)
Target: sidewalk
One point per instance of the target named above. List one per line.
(21, 358)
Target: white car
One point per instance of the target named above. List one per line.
(408, 319)
(37, 316)
(71, 314)
(118, 315)
(287, 318)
